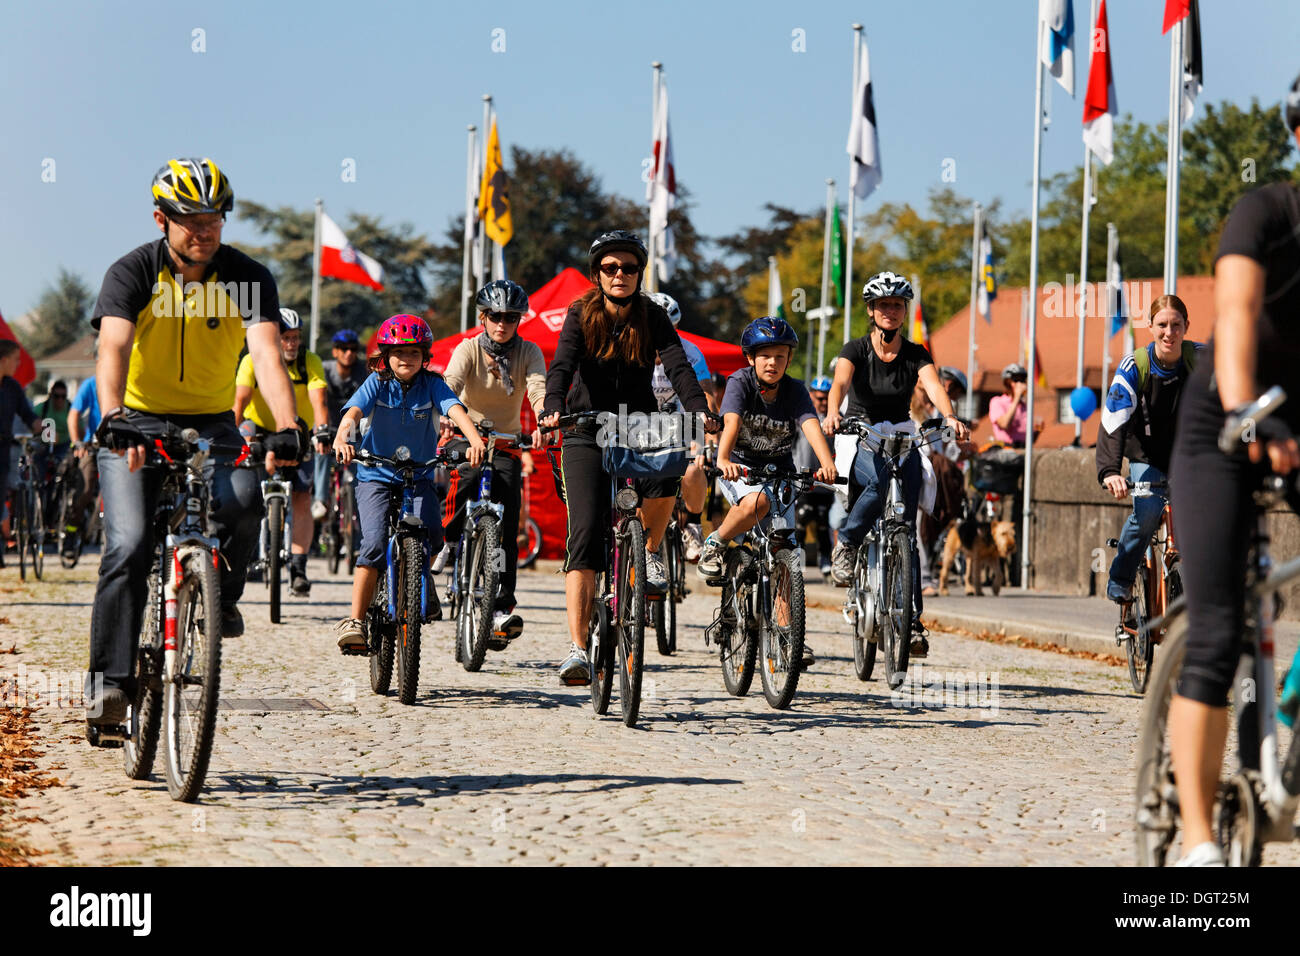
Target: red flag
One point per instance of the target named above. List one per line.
(1175, 10)
(26, 371)
(340, 259)
(920, 331)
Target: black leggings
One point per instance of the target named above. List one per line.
(1213, 520)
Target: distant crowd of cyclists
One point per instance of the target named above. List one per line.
(233, 378)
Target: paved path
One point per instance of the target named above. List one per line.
(507, 766)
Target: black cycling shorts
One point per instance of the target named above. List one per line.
(1213, 518)
(586, 493)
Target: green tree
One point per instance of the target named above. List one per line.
(62, 315)
(405, 256)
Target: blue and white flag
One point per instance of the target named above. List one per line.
(1118, 307)
(1056, 40)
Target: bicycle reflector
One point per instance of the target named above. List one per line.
(626, 498)
(402, 453)
(899, 508)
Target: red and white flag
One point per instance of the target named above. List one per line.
(341, 260)
(661, 191)
(1099, 106)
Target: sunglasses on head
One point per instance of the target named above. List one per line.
(612, 269)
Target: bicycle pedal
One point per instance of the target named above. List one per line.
(575, 681)
(355, 651)
(106, 735)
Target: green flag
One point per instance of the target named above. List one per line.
(837, 259)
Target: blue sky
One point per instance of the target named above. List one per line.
(285, 92)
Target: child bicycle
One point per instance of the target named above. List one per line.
(479, 559)
(1256, 804)
(762, 605)
(1158, 584)
(405, 598)
(880, 603)
(178, 658)
(340, 533)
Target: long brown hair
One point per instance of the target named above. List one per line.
(1168, 302)
(632, 346)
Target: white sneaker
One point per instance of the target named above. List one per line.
(318, 511)
(694, 542)
(440, 559)
(1203, 854)
(575, 671)
(711, 557)
(656, 580)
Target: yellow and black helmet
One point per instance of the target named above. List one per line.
(187, 186)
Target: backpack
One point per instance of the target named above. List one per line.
(1142, 358)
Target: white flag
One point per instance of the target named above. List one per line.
(472, 225)
(775, 300)
(1056, 40)
(661, 191)
(864, 144)
(667, 258)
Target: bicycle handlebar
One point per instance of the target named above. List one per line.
(407, 464)
(1238, 423)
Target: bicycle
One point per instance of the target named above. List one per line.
(880, 599)
(1257, 804)
(619, 613)
(275, 533)
(401, 603)
(27, 515)
(529, 541)
(672, 554)
(1158, 584)
(177, 666)
(479, 559)
(340, 532)
(72, 527)
(761, 611)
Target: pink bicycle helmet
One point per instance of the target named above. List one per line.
(404, 329)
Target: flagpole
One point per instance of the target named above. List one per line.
(826, 277)
(467, 241)
(1172, 158)
(1112, 303)
(849, 292)
(974, 296)
(315, 278)
(484, 262)
(1033, 310)
(652, 274)
(1083, 283)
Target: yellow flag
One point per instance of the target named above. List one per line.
(494, 196)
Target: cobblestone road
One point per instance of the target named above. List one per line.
(507, 766)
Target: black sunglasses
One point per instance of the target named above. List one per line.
(346, 348)
(505, 318)
(612, 269)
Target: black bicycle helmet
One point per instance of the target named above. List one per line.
(501, 295)
(619, 240)
(185, 187)
(1291, 106)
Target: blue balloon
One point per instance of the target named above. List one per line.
(1083, 402)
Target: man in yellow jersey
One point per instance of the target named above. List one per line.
(309, 388)
(172, 317)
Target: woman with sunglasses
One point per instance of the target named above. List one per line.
(606, 352)
(491, 373)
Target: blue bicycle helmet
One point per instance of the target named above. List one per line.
(767, 331)
(820, 384)
(345, 337)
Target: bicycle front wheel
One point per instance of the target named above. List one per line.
(600, 653)
(18, 522)
(410, 615)
(864, 626)
(631, 617)
(530, 545)
(380, 638)
(782, 632)
(36, 536)
(69, 542)
(192, 690)
(475, 622)
(330, 537)
(274, 552)
(898, 606)
(659, 609)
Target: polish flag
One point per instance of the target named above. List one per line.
(341, 260)
(1099, 108)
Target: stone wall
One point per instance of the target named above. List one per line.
(1073, 517)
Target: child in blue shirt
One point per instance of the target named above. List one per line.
(403, 401)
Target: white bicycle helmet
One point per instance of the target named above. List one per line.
(668, 304)
(289, 320)
(886, 285)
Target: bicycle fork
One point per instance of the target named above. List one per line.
(180, 549)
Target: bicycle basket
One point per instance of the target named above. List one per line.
(623, 462)
(997, 471)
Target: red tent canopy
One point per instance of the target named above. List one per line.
(26, 367)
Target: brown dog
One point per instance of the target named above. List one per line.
(987, 546)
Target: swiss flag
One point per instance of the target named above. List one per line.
(341, 260)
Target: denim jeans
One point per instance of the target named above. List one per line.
(1139, 527)
(373, 501)
(321, 491)
(129, 502)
